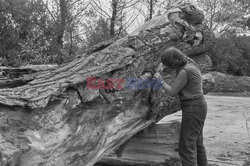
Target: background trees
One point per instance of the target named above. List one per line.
(231, 55)
(229, 21)
(226, 17)
(20, 29)
(38, 31)
(45, 31)
(110, 20)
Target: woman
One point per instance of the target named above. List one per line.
(188, 85)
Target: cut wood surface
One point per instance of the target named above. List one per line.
(156, 146)
(49, 117)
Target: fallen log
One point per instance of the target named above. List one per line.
(229, 83)
(52, 118)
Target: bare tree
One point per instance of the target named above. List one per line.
(222, 16)
(150, 4)
(155, 7)
(66, 15)
(113, 17)
(62, 22)
(212, 9)
(116, 13)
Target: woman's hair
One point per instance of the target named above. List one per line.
(173, 57)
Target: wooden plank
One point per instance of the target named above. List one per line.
(156, 146)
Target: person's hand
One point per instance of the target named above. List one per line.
(146, 76)
(157, 75)
(159, 68)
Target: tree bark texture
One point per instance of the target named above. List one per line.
(113, 17)
(62, 22)
(48, 117)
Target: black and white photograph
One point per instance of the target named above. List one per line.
(124, 82)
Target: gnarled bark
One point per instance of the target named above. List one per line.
(51, 118)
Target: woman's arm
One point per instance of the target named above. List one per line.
(179, 82)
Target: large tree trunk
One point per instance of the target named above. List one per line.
(49, 117)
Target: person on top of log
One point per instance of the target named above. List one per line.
(188, 85)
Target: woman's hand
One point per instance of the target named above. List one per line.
(146, 76)
(159, 68)
(157, 75)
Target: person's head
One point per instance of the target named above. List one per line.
(173, 58)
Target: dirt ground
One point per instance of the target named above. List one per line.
(226, 130)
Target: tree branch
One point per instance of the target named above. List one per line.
(97, 8)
